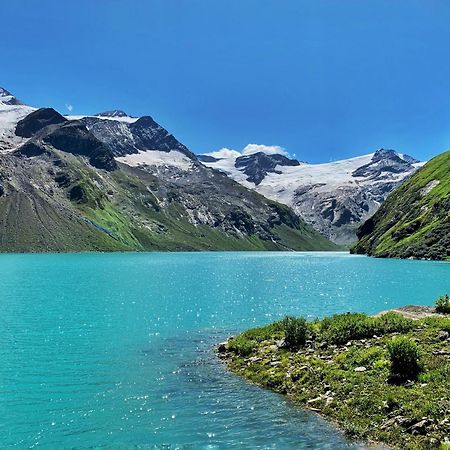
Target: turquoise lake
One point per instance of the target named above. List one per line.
(101, 351)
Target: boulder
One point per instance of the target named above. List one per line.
(420, 427)
(222, 347)
(443, 335)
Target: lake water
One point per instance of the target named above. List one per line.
(101, 351)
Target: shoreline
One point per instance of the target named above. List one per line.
(348, 382)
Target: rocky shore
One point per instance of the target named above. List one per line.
(343, 371)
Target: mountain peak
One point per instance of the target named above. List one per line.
(113, 113)
(384, 153)
(6, 98)
(257, 165)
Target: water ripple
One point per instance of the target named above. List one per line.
(114, 351)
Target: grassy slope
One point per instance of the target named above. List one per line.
(413, 222)
(364, 403)
(30, 225)
(170, 230)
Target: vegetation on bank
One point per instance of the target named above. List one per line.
(384, 379)
(414, 220)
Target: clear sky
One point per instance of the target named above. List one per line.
(324, 79)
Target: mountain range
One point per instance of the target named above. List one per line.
(110, 181)
(334, 198)
(114, 182)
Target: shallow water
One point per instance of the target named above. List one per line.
(115, 350)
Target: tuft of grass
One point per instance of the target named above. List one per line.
(405, 358)
(244, 344)
(443, 304)
(295, 331)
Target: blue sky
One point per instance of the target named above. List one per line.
(324, 79)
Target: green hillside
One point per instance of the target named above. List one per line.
(58, 202)
(414, 221)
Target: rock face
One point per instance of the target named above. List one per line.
(38, 120)
(385, 162)
(46, 127)
(414, 221)
(335, 198)
(73, 137)
(113, 113)
(114, 182)
(124, 137)
(258, 165)
(207, 158)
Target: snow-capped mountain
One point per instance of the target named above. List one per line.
(8, 99)
(113, 113)
(333, 197)
(115, 182)
(11, 111)
(136, 141)
(139, 141)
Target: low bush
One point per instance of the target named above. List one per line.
(405, 358)
(342, 328)
(244, 344)
(443, 304)
(241, 345)
(392, 322)
(444, 325)
(295, 331)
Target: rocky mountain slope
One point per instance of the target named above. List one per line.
(414, 221)
(113, 182)
(335, 198)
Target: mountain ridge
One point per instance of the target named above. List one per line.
(121, 183)
(334, 198)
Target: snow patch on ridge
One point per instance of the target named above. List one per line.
(326, 177)
(157, 158)
(9, 116)
(126, 119)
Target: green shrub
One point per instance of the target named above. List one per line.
(295, 331)
(444, 325)
(270, 331)
(443, 304)
(405, 358)
(241, 345)
(342, 328)
(392, 322)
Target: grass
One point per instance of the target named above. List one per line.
(414, 221)
(345, 372)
